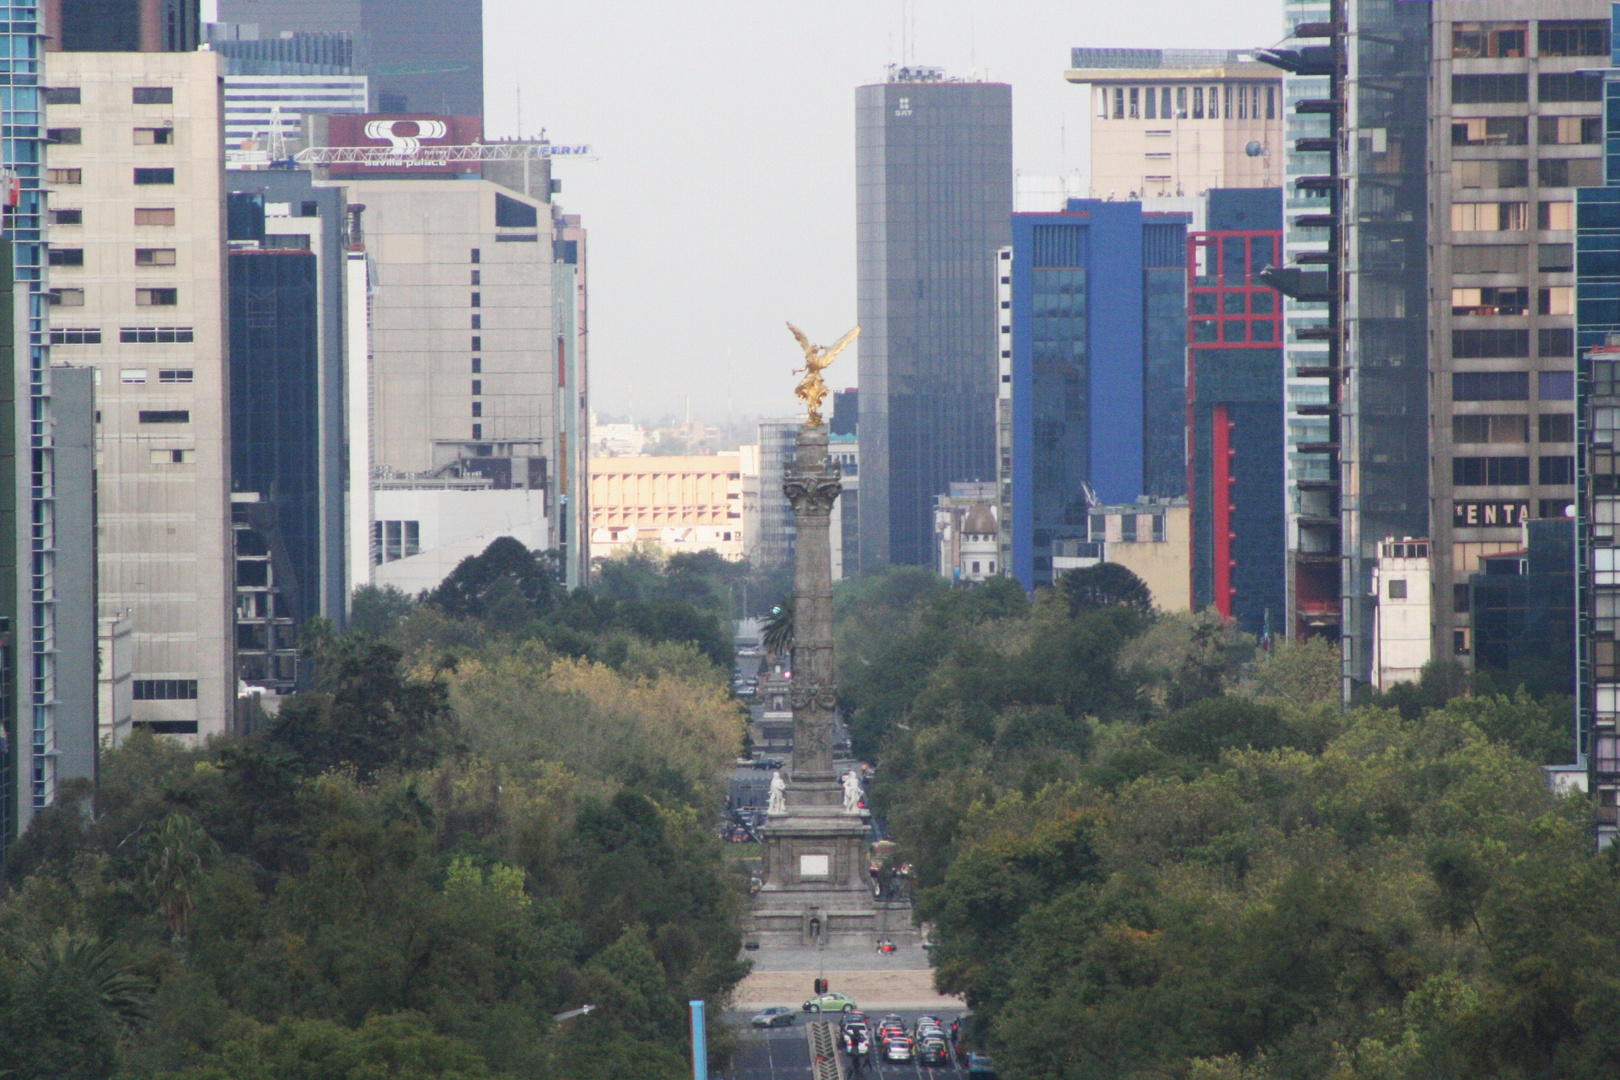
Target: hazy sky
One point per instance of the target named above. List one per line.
(723, 201)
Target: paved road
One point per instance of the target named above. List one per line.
(783, 1054)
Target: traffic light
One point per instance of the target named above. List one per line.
(821, 987)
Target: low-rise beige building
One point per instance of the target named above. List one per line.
(1152, 539)
(1168, 122)
(672, 503)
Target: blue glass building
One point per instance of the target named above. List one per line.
(1098, 341)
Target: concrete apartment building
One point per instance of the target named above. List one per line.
(674, 504)
(1517, 127)
(137, 277)
(1168, 122)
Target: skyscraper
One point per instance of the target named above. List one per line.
(1235, 411)
(422, 56)
(934, 191)
(1096, 336)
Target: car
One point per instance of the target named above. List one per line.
(831, 1001)
(775, 1016)
(980, 1067)
(933, 1052)
(899, 1048)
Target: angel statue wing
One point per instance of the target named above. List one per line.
(804, 342)
(829, 355)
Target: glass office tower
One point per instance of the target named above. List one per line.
(933, 202)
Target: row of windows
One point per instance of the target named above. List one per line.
(1496, 343)
(164, 416)
(1512, 386)
(143, 177)
(1243, 101)
(1515, 172)
(129, 335)
(139, 95)
(1515, 89)
(1512, 300)
(395, 540)
(144, 215)
(1512, 428)
(144, 136)
(1515, 130)
(165, 689)
(1511, 471)
(143, 256)
(165, 375)
(1510, 258)
(1551, 216)
(160, 297)
(1506, 40)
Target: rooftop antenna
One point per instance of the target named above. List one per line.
(520, 110)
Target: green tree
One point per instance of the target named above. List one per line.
(1103, 585)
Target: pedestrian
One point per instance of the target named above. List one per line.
(956, 1030)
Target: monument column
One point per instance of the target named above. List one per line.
(812, 487)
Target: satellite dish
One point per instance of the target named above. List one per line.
(1254, 149)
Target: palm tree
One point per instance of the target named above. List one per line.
(173, 855)
(118, 988)
(777, 635)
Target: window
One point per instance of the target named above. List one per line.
(174, 375)
(477, 365)
(147, 177)
(1503, 173)
(133, 376)
(1397, 589)
(165, 689)
(1573, 37)
(477, 277)
(1459, 642)
(1556, 216)
(160, 136)
(157, 297)
(1570, 172)
(64, 176)
(1150, 103)
(1559, 342)
(1489, 131)
(1556, 427)
(477, 344)
(1555, 258)
(1198, 103)
(1490, 386)
(172, 457)
(1554, 508)
(62, 95)
(64, 136)
(1569, 86)
(1477, 40)
(67, 297)
(477, 386)
(1459, 599)
(165, 416)
(475, 254)
(1489, 89)
(1165, 111)
(395, 540)
(1488, 217)
(1558, 469)
(1504, 428)
(67, 256)
(75, 335)
(154, 256)
(1555, 300)
(1489, 471)
(1271, 102)
(1136, 103)
(67, 217)
(477, 322)
(1181, 103)
(153, 95)
(513, 213)
(154, 215)
(1119, 102)
(478, 431)
(477, 299)
(1487, 259)
(1475, 344)
(1491, 300)
(155, 335)
(1555, 385)
(478, 408)
(1570, 130)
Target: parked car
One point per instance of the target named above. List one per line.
(775, 1016)
(830, 1002)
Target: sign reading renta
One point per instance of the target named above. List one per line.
(1489, 515)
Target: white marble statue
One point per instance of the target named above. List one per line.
(778, 803)
(852, 792)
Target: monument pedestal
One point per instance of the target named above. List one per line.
(817, 889)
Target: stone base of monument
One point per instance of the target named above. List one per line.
(817, 889)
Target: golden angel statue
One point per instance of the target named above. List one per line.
(812, 389)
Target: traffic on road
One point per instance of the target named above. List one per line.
(876, 1045)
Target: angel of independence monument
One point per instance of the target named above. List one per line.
(817, 889)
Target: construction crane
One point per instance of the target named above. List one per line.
(440, 155)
